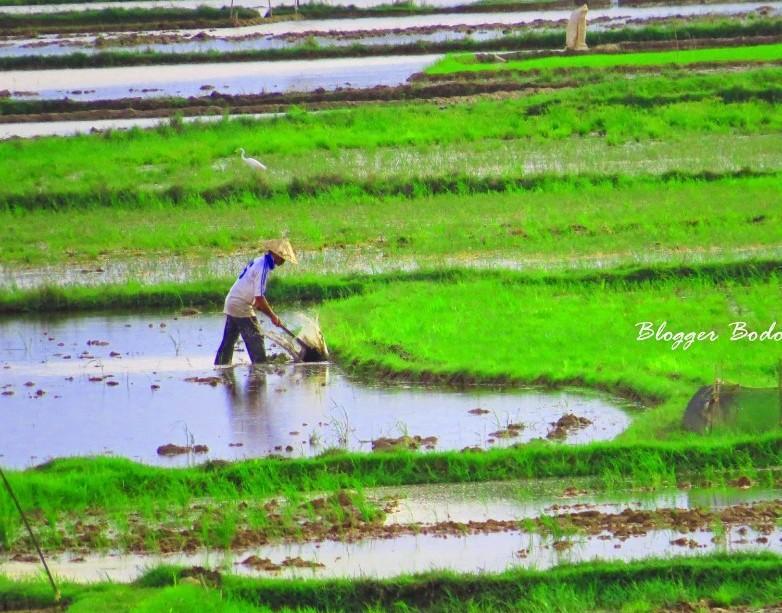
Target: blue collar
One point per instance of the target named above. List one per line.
(269, 260)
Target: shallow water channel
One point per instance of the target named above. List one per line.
(489, 551)
(35, 129)
(116, 385)
(230, 78)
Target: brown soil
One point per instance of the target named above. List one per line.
(213, 381)
(204, 575)
(511, 431)
(404, 442)
(170, 449)
(742, 482)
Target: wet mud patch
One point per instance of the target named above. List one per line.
(566, 425)
(153, 383)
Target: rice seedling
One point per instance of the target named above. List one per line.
(367, 146)
(747, 55)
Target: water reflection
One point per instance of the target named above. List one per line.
(126, 384)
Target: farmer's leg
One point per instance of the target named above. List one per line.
(230, 335)
(253, 339)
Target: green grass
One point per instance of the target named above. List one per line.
(745, 54)
(115, 486)
(555, 223)
(564, 333)
(741, 579)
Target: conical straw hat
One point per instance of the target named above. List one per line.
(281, 247)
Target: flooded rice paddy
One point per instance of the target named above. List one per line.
(344, 32)
(509, 500)
(357, 260)
(30, 9)
(34, 129)
(127, 384)
(262, 7)
(486, 527)
(494, 552)
(229, 78)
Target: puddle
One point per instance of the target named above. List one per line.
(230, 78)
(509, 500)
(379, 558)
(71, 128)
(85, 401)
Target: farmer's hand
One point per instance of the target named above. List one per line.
(275, 320)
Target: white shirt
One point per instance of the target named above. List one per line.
(251, 283)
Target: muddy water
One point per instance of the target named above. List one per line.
(129, 396)
(413, 554)
(230, 78)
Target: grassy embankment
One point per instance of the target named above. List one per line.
(750, 580)
(748, 54)
(114, 19)
(124, 501)
(530, 39)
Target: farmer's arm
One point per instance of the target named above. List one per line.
(263, 306)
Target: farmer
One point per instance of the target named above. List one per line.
(247, 293)
(575, 34)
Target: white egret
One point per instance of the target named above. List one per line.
(251, 162)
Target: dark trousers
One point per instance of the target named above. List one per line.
(251, 335)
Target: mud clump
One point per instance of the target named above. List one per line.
(298, 562)
(267, 565)
(685, 542)
(403, 442)
(511, 431)
(261, 564)
(213, 381)
(170, 449)
(478, 411)
(566, 425)
(743, 483)
(208, 577)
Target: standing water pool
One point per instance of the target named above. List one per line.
(126, 384)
